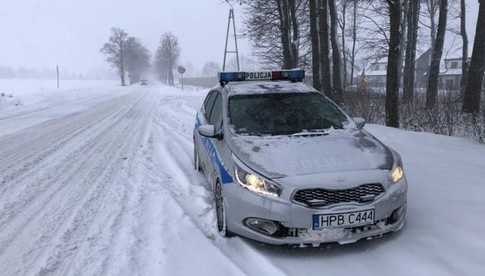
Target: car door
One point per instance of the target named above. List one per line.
(213, 144)
(203, 119)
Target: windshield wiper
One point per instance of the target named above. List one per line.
(312, 132)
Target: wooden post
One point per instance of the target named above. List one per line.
(57, 71)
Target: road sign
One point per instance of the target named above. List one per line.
(181, 69)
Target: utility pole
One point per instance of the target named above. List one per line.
(57, 71)
(231, 20)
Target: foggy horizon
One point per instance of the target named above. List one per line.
(71, 33)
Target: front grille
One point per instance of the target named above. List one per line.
(325, 197)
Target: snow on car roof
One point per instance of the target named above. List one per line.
(262, 87)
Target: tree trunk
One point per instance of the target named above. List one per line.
(344, 50)
(392, 86)
(404, 20)
(354, 42)
(471, 103)
(337, 59)
(410, 64)
(325, 77)
(315, 44)
(434, 70)
(431, 5)
(296, 34)
(122, 63)
(171, 80)
(464, 37)
(283, 12)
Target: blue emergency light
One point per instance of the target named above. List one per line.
(291, 75)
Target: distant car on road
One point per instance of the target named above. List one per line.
(288, 166)
(144, 82)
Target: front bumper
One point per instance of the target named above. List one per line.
(296, 220)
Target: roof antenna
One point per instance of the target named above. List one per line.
(230, 20)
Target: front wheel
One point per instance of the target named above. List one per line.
(220, 212)
(196, 159)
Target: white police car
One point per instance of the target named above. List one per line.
(288, 166)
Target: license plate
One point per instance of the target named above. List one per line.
(347, 219)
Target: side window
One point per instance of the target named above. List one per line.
(216, 114)
(208, 103)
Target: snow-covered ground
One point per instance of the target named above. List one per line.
(28, 102)
(97, 179)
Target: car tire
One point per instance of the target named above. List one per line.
(197, 166)
(221, 218)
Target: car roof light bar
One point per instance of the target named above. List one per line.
(291, 75)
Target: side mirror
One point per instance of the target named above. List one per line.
(209, 131)
(359, 122)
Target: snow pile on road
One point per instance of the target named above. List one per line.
(8, 100)
(109, 190)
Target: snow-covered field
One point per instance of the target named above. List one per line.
(28, 102)
(96, 179)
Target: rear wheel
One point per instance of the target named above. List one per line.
(220, 212)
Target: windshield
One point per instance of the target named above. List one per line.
(283, 113)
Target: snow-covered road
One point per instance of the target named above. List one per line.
(110, 190)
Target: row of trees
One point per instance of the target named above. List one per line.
(129, 57)
(316, 34)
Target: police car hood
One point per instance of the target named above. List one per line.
(339, 150)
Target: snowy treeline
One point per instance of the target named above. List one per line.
(130, 57)
(338, 40)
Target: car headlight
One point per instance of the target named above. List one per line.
(397, 173)
(256, 183)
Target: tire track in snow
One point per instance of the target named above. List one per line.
(34, 181)
(150, 233)
(28, 147)
(62, 259)
(36, 185)
(83, 163)
(178, 140)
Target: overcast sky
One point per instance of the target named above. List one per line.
(42, 33)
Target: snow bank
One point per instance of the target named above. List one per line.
(106, 187)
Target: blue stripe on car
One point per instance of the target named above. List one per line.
(225, 177)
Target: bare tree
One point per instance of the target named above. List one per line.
(115, 50)
(343, 29)
(473, 89)
(325, 75)
(464, 37)
(137, 59)
(354, 41)
(432, 7)
(437, 52)
(166, 58)
(336, 58)
(374, 28)
(410, 64)
(285, 29)
(279, 31)
(392, 89)
(315, 43)
(295, 29)
(404, 27)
